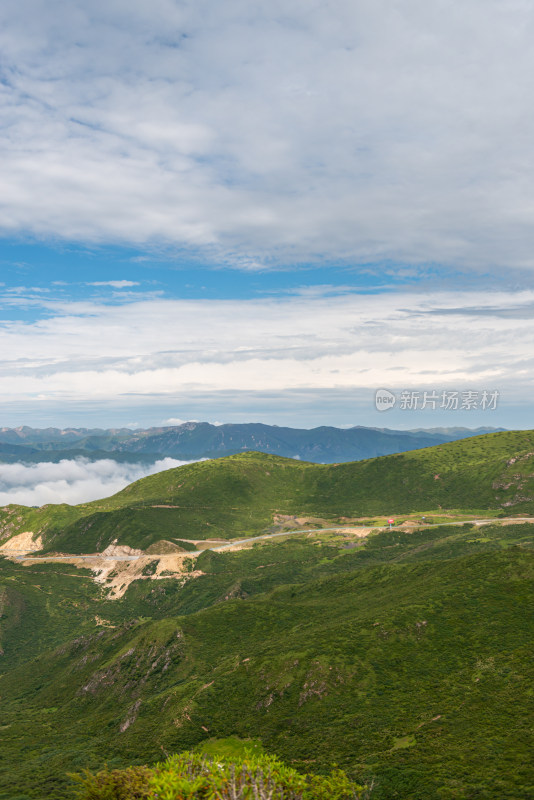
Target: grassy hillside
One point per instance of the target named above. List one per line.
(240, 495)
(471, 473)
(406, 660)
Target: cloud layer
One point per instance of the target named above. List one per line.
(71, 480)
(272, 133)
(158, 351)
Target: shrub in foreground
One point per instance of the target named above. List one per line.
(190, 776)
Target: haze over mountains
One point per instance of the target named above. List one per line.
(194, 440)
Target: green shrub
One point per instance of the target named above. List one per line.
(132, 783)
(192, 776)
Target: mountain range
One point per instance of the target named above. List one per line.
(193, 440)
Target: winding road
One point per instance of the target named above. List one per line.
(26, 556)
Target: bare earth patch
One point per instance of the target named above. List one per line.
(121, 550)
(292, 521)
(22, 543)
(116, 576)
(360, 533)
(119, 565)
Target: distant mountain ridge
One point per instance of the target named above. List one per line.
(193, 440)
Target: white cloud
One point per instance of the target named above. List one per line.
(274, 132)
(170, 348)
(71, 481)
(114, 284)
(175, 421)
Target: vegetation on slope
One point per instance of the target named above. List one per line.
(190, 776)
(241, 495)
(406, 661)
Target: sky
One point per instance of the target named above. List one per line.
(248, 211)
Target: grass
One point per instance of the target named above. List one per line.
(230, 747)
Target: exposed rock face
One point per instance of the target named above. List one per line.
(121, 550)
(22, 543)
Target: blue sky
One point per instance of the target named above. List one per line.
(74, 270)
(243, 211)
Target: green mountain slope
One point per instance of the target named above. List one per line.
(459, 474)
(406, 660)
(241, 495)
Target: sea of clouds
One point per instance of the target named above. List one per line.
(72, 480)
